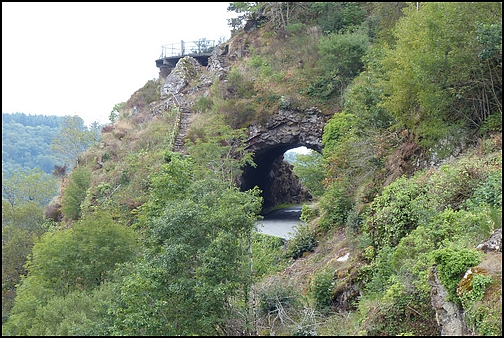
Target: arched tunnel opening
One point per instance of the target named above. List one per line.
(275, 178)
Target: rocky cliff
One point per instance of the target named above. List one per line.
(288, 128)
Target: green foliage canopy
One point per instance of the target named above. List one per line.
(22, 186)
(72, 140)
(310, 170)
(436, 79)
(27, 145)
(74, 194)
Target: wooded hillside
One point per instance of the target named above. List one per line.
(145, 240)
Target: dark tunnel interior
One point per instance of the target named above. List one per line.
(260, 175)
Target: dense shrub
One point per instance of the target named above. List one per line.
(304, 240)
(321, 288)
(452, 264)
(340, 61)
(75, 192)
(268, 253)
(336, 205)
(395, 213)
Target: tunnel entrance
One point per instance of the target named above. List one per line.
(275, 177)
(268, 141)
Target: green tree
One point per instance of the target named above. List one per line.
(338, 17)
(77, 314)
(21, 186)
(387, 14)
(340, 61)
(17, 243)
(66, 261)
(81, 257)
(204, 243)
(72, 140)
(247, 8)
(197, 239)
(220, 153)
(310, 170)
(24, 196)
(75, 192)
(438, 79)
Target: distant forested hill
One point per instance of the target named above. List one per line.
(26, 141)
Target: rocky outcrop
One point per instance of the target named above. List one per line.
(449, 315)
(185, 79)
(283, 186)
(186, 70)
(289, 127)
(175, 87)
(494, 243)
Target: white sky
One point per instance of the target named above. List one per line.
(84, 57)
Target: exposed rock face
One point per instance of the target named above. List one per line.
(289, 127)
(283, 186)
(448, 314)
(218, 62)
(494, 243)
(186, 69)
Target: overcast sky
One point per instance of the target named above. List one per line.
(84, 57)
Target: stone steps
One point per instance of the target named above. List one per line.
(184, 123)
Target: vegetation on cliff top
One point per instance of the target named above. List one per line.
(148, 241)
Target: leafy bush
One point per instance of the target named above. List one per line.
(476, 290)
(340, 61)
(336, 204)
(75, 192)
(393, 214)
(485, 317)
(426, 87)
(452, 264)
(295, 28)
(401, 312)
(380, 272)
(321, 288)
(334, 17)
(451, 185)
(304, 240)
(488, 192)
(64, 263)
(268, 254)
(308, 213)
(337, 132)
(492, 124)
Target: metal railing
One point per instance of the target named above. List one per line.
(200, 47)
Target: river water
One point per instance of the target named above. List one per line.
(281, 222)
